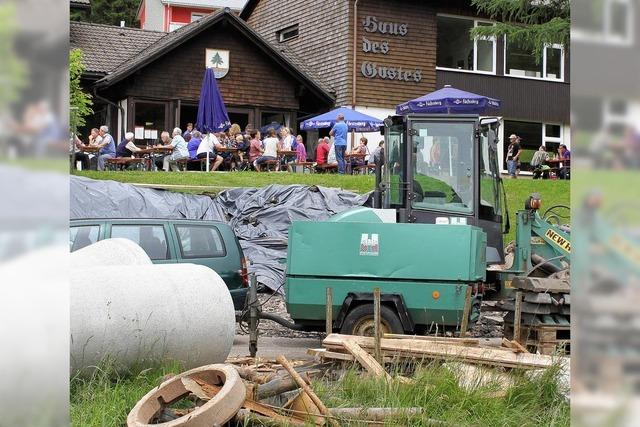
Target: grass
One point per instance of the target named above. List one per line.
(552, 191)
(105, 398)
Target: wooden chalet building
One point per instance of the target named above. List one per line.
(150, 81)
(376, 54)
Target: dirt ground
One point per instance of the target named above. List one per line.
(489, 326)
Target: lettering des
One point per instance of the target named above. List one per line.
(375, 47)
(372, 70)
(372, 25)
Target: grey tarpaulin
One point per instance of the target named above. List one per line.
(260, 217)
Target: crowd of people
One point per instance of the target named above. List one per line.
(543, 164)
(232, 149)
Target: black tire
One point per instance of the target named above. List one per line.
(354, 323)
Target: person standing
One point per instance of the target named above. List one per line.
(339, 134)
(513, 155)
(180, 151)
(107, 147)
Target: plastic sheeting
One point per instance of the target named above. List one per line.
(260, 217)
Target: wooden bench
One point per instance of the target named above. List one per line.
(301, 167)
(120, 163)
(270, 165)
(364, 169)
(326, 168)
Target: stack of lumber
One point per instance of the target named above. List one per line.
(508, 354)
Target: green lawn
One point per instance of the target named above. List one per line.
(553, 192)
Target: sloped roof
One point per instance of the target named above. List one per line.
(106, 47)
(209, 4)
(141, 56)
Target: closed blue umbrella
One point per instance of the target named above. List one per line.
(355, 120)
(449, 100)
(212, 114)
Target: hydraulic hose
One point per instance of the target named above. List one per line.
(540, 262)
(280, 320)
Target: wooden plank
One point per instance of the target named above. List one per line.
(369, 363)
(296, 376)
(429, 349)
(326, 354)
(466, 311)
(517, 317)
(376, 327)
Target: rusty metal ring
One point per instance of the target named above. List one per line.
(217, 411)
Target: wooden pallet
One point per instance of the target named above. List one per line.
(545, 339)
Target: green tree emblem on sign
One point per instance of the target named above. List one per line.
(217, 60)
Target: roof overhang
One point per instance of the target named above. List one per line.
(202, 25)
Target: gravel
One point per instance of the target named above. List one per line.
(489, 325)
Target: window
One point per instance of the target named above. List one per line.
(151, 116)
(174, 26)
(603, 21)
(195, 16)
(456, 50)
(443, 175)
(151, 238)
(521, 63)
(551, 137)
(197, 241)
(82, 236)
(288, 33)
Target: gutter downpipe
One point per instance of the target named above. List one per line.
(355, 64)
(124, 125)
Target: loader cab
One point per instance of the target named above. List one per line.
(444, 170)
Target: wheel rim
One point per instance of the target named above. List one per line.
(365, 327)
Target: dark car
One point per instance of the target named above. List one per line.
(167, 241)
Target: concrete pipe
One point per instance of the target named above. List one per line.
(109, 252)
(143, 313)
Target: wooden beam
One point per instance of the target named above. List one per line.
(329, 313)
(466, 312)
(365, 359)
(517, 317)
(376, 327)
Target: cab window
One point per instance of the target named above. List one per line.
(197, 241)
(151, 238)
(83, 235)
(443, 166)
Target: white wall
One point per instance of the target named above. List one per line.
(372, 137)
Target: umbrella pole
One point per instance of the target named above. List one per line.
(208, 151)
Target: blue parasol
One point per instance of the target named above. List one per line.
(212, 114)
(355, 120)
(449, 100)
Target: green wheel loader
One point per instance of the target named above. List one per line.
(433, 241)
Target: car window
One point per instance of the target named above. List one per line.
(198, 241)
(151, 238)
(83, 235)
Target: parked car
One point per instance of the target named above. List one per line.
(166, 241)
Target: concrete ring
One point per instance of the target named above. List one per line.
(217, 411)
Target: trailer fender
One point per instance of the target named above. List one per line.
(394, 301)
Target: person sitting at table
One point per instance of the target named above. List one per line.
(255, 146)
(287, 139)
(207, 145)
(270, 149)
(81, 157)
(322, 152)
(360, 150)
(188, 133)
(237, 159)
(180, 151)
(127, 146)
(540, 169)
(564, 154)
(193, 144)
(107, 147)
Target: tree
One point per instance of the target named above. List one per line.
(109, 12)
(79, 101)
(217, 60)
(531, 24)
(13, 71)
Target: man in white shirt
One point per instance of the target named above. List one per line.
(208, 145)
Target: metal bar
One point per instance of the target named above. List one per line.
(376, 320)
(253, 316)
(329, 314)
(517, 316)
(465, 312)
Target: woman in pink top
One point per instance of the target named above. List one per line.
(301, 152)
